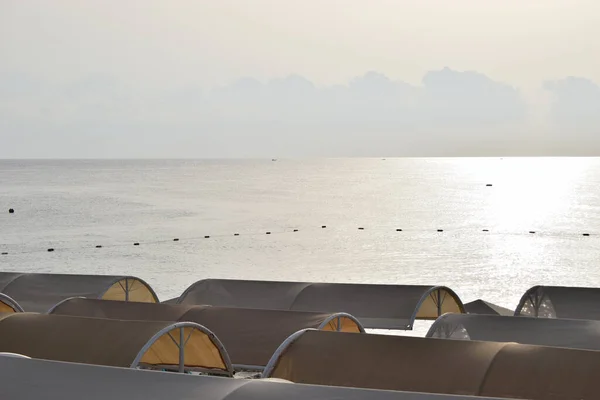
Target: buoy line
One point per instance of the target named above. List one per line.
(400, 232)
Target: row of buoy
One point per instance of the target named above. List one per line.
(361, 228)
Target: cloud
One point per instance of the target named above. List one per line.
(576, 102)
(449, 113)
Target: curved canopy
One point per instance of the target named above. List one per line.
(560, 302)
(66, 381)
(8, 305)
(376, 306)
(572, 333)
(437, 366)
(250, 336)
(484, 307)
(39, 292)
(113, 342)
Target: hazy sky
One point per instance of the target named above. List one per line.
(113, 73)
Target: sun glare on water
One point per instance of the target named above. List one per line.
(529, 193)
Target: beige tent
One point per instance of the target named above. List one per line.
(8, 305)
(560, 302)
(51, 380)
(250, 336)
(437, 366)
(571, 333)
(147, 344)
(375, 306)
(39, 292)
(486, 308)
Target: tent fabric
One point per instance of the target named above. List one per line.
(480, 306)
(8, 305)
(571, 333)
(250, 336)
(437, 366)
(375, 306)
(560, 302)
(39, 292)
(67, 381)
(113, 342)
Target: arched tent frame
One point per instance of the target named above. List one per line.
(179, 346)
(474, 368)
(123, 287)
(180, 340)
(7, 304)
(436, 296)
(337, 322)
(250, 335)
(535, 298)
(268, 371)
(560, 302)
(376, 311)
(449, 332)
(57, 305)
(341, 322)
(552, 332)
(39, 292)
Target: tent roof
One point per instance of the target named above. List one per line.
(376, 306)
(66, 381)
(480, 306)
(8, 304)
(437, 366)
(572, 333)
(112, 342)
(560, 302)
(39, 292)
(250, 336)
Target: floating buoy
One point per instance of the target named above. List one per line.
(176, 240)
(361, 229)
(206, 237)
(98, 246)
(586, 234)
(440, 230)
(488, 185)
(136, 244)
(398, 230)
(11, 210)
(50, 250)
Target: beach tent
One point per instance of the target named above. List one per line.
(250, 336)
(485, 307)
(147, 344)
(375, 306)
(572, 333)
(560, 302)
(8, 305)
(39, 292)
(51, 380)
(437, 366)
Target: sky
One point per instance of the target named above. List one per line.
(268, 78)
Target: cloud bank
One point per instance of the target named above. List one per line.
(450, 113)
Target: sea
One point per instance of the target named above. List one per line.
(488, 228)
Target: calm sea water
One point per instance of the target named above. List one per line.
(73, 206)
